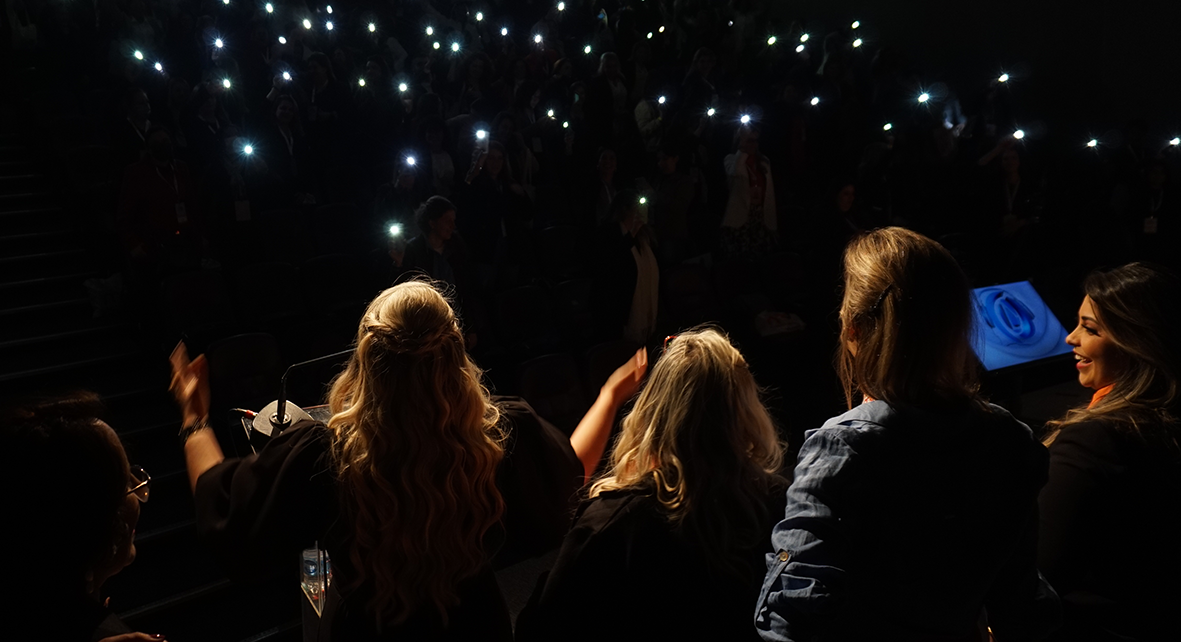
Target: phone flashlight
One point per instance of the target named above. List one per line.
(745, 120)
(661, 29)
(396, 230)
(403, 87)
(815, 101)
(430, 31)
(481, 135)
(1175, 142)
(561, 6)
(550, 113)
(711, 112)
(328, 25)
(435, 44)
(218, 43)
(270, 8)
(771, 40)
(649, 35)
(282, 40)
(856, 24)
(248, 149)
(372, 28)
(586, 49)
(1093, 143)
(287, 75)
(1003, 78)
(159, 67)
(804, 37)
(307, 24)
(410, 161)
(565, 124)
(226, 2)
(924, 97)
(455, 47)
(857, 43)
(329, 8)
(537, 39)
(1019, 134)
(360, 82)
(799, 48)
(139, 55)
(661, 100)
(504, 31)
(643, 201)
(479, 16)
(887, 127)
(225, 82)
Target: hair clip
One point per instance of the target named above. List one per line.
(881, 297)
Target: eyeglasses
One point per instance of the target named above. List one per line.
(141, 483)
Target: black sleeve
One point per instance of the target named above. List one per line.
(258, 512)
(539, 480)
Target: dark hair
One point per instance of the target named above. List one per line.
(1138, 304)
(68, 477)
(431, 210)
(385, 66)
(322, 59)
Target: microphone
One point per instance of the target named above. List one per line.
(274, 417)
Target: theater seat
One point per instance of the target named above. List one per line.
(551, 385)
(524, 320)
(572, 307)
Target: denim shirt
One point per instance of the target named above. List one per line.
(903, 524)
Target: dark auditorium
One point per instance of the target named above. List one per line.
(586, 320)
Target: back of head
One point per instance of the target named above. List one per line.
(701, 441)
(1138, 304)
(416, 449)
(68, 477)
(906, 322)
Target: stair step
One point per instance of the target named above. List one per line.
(171, 500)
(166, 567)
(24, 200)
(25, 267)
(24, 182)
(268, 612)
(40, 242)
(35, 219)
(125, 376)
(69, 330)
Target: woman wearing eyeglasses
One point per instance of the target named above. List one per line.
(75, 502)
(1111, 511)
(669, 545)
(416, 483)
(913, 516)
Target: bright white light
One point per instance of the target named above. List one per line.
(329, 7)
(771, 40)
(504, 31)
(225, 2)
(1019, 134)
(731, 23)
(248, 150)
(745, 120)
(410, 161)
(307, 24)
(815, 101)
(799, 48)
(479, 16)
(643, 201)
(561, 6)
(218, 43)
(661, 29)
(804, 37)
(286, 75)
(537, 39)
(856, 24)
(565, 124)
(139, 55)
(403, 87)
(1092, 143)
(661, 100)
(1175, 142)
(857, 42)
(1003, 78)
(435, 44)
(270, 8)
(455, 47)
(395, 229)
(372, 27)
(887, 127)
(481, 135)
(924, 97)
(328, 25)
(282, 40)
(159, 67)
(711, 112)
(225, 82)
(360, 82)
(649, 35)
(550, 113)
(430, 31)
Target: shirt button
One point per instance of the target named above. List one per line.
(783, 555)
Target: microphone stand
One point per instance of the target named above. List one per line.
(274, 418)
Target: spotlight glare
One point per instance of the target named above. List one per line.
(226, 2)
(745, 120)
(360, 82)
(561, 6)
(1003, 78)
(649, 35)
(857, 43)
(661, 29)
(282, 40)
(403, 87)
(661, 100)
(924, 97)
(565, 124)
(159, 67)
(481, 135)
(887, 127)
(800, 49)
(643, 200)
(771, 40)
(815, 101)
(1019, 134)
(455, 47)
(537, 39)
(1175, 142)
(430, 31)
(307, 24)
(550, 113)
(1093, 143)
(248, 150)
(270, 8)
(711, 112)
(329, 7)
(395, 229)
(479, 16)
(225, 82)
(856, 24)
(410, 161)
(586, 49)
(372, 27)
(139, 55)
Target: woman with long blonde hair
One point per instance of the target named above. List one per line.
(417, 481)
(913, 516)
(1115, 464)
(672, 534)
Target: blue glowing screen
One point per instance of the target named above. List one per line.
(1014, 326)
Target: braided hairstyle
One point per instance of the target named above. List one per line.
(415, 447)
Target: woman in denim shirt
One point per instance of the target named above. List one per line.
(914, 515)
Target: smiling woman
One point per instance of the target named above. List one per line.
(1115, 465)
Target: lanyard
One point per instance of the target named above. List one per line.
(138, 132)
(175, 184)
(290, 140)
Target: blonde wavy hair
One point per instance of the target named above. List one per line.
(701, 441)
(415, 447)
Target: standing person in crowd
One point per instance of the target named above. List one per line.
(627, 290)
(159, 216)
(913, 515)
(328, 106)
(673, 533)
(606, 101)
(284, 146)
(672, 200)
(495, 208)
(203, 128)
(411, 487)
(129, 136)
(601, 188)
(84, 507)
(1115, 465)
(751, 222)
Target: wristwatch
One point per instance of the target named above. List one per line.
(187, 431)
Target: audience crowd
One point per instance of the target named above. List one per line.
(463, 156)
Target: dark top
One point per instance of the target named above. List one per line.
(615, 279)
(259, 512)
(1111, 534)
(625, 573)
